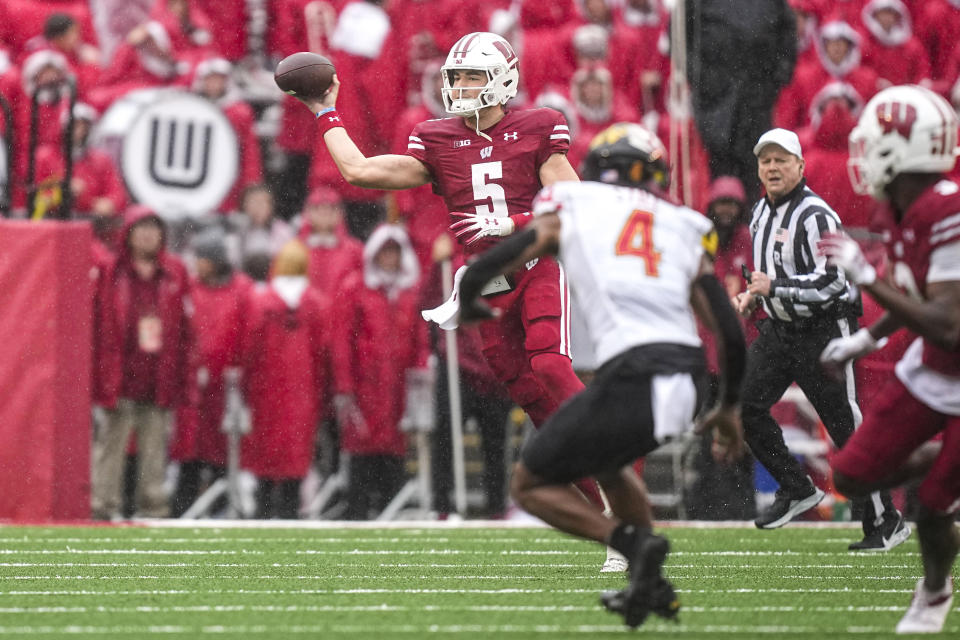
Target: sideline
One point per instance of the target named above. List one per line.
(168, 523)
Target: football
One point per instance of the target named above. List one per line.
(304, 74)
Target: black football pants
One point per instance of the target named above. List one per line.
(784, 353)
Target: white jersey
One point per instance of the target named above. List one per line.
(630, 258)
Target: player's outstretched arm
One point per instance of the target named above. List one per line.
(388, 171)
(937, 318)
(709, 301)
(557, 169)
(841, 350)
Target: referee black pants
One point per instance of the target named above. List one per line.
(784, 353)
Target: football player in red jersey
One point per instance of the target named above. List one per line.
(488, 162)
(904, 143)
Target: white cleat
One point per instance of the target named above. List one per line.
(615, 562)
(928, 611)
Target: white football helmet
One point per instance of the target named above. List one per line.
(904, 129)
(486, 52)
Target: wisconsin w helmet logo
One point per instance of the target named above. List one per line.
(897, 116)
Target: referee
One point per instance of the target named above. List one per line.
(808, 304)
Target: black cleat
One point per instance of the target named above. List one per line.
(784, 509)
(892, 531)
(648, 591)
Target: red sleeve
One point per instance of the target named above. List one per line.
(417, 148)
(556, 136)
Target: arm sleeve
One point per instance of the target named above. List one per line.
(731, 333)
(825, 282)
(556, 136)
(417, 148)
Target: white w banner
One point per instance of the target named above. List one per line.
(178, 152)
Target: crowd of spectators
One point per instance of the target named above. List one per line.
(299, 280)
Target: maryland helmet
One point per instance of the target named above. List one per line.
(627, 154)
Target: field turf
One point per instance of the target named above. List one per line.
(429, 582)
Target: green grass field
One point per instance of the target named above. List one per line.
(463, 582)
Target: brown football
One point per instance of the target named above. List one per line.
(304, 74)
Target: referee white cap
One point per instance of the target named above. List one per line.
(782, 137)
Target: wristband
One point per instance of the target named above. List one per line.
(328, 119)
(520, 220)
(325, 110)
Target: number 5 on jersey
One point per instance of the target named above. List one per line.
(636, 239)
(492, 194)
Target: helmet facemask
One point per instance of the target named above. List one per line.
(490, 93)
(487, 54)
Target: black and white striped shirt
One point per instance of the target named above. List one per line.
(785, 235)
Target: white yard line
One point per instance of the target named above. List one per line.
(166, 523)
(231, 608)
(437, 565)
(412, 539)
(311, 592)
(420, 630)
(910, 579)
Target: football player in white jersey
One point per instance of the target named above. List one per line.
(641, 267)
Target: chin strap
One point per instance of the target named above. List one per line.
(476, 119)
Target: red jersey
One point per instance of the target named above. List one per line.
(495, 177)
(931, 223)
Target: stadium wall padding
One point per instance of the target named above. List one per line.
(46, 299)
